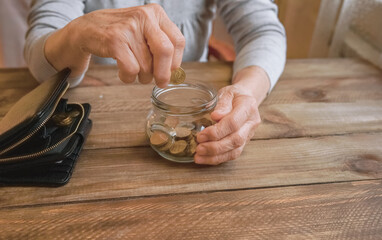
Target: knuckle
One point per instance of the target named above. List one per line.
(166, 49)
(180, 41)
(215, 149)
(155, 7)
(146, 13)
(253, 105)
(233, 123)
(215, 132)
(132, 26)
(238, 140)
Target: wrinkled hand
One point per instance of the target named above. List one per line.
(237, 116)
(143, 40)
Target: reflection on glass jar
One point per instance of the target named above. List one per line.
(179, 112)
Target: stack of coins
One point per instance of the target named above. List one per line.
(183, 143)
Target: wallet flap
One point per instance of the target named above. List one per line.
(32, 110)
(64, 124)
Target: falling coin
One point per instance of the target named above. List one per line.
(177, 76)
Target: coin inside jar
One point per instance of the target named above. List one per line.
(159, 138)
(177, 76)
(182, 132)
(178, 148)
(192, 147)
(179, 113)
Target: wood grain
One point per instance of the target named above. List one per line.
(323, 105)
(127, 129)
(319, 107)
(321, 126)
(288, 90)
(213, 71)
(127, 172)
(328, 211)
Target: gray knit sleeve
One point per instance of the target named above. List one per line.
(45, 17)
(258, 35)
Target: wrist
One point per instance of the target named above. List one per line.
(62, 50)
(253, 81)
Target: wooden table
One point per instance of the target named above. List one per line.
(312, 171)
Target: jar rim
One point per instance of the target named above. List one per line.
(184, 110)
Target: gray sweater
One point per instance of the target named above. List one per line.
(258, 35)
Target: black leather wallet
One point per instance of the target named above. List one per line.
(42, 136)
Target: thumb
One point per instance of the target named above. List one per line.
(224, 105)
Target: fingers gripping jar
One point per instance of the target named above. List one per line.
(178, 113)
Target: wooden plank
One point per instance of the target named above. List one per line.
(328, 211)
(16, 78)
(327, 90)
(127, 129)
(328, 68)
(316, 108)
(289, 88)
(128, 172)
(214, 71)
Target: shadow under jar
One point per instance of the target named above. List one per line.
(178, 113)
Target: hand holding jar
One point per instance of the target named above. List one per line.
(237, 117)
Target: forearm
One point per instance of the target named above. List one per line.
(45, 18)
(258, 35)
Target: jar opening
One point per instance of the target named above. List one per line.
(186, 98)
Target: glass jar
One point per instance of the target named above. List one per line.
(178, 113)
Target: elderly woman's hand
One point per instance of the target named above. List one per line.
(237, 117)
(143, 40)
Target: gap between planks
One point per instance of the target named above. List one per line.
(104, 200)
(138, 171)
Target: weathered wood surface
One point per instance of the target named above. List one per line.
(214, 71)
(127, 172)
(325, 211)
(323, 103)
(322, 125)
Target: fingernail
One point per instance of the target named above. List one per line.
(202, 138)
(201, 150)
